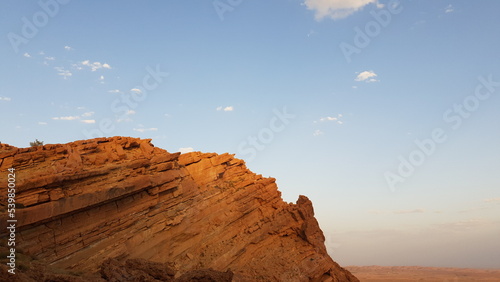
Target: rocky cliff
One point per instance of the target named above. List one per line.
(83, 203)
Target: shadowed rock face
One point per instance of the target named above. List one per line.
(85, 202)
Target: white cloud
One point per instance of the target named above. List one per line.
(27, 55)
(114, 91)
(186, 150)
(225, 109)
(331, 119)
(318, 132)
(101, 78)
(124, 120)
(77, 66)
(337, 9)
(449, 9)
(88, 114)
(42, 123)
(50, 58)
(95, 65)
(63, 72)
(66, 118)
(130, 112)
(366, 76)
(67, 48)
(136, 90)
(6, 99)
(145, 129)
(88, 121)
(328, 119)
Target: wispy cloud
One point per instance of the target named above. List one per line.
(411, 211)
(449, 9)
(114, 91)
(66, 118)
(474, 209)
(492, 200)
(63, 72)
(335, 119)
(408, 211)
(50, 58)
(6, 99)
(311, 33)
(76, 117)
(337, 9)
(186, 150)
(328, 119)
(145, 129)
(225, 109)
(68, 48)
(126, 118)
(318, 132)
(463, 224)
(95, 65)
(366, 76)
(42, 123)
(136, 90)
(27, 55)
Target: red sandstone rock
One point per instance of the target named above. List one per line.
(88, 201)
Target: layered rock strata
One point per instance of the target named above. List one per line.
(82, 203)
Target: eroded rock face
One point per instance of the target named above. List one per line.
(85, 202)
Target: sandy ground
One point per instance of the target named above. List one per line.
(427, 274)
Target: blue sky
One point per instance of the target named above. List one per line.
(274, 83)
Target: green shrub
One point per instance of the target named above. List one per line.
(36, 143)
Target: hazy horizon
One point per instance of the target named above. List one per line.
(384, 113)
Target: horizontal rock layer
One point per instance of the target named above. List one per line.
(81, 203)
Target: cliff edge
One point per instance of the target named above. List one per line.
(82, 205)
